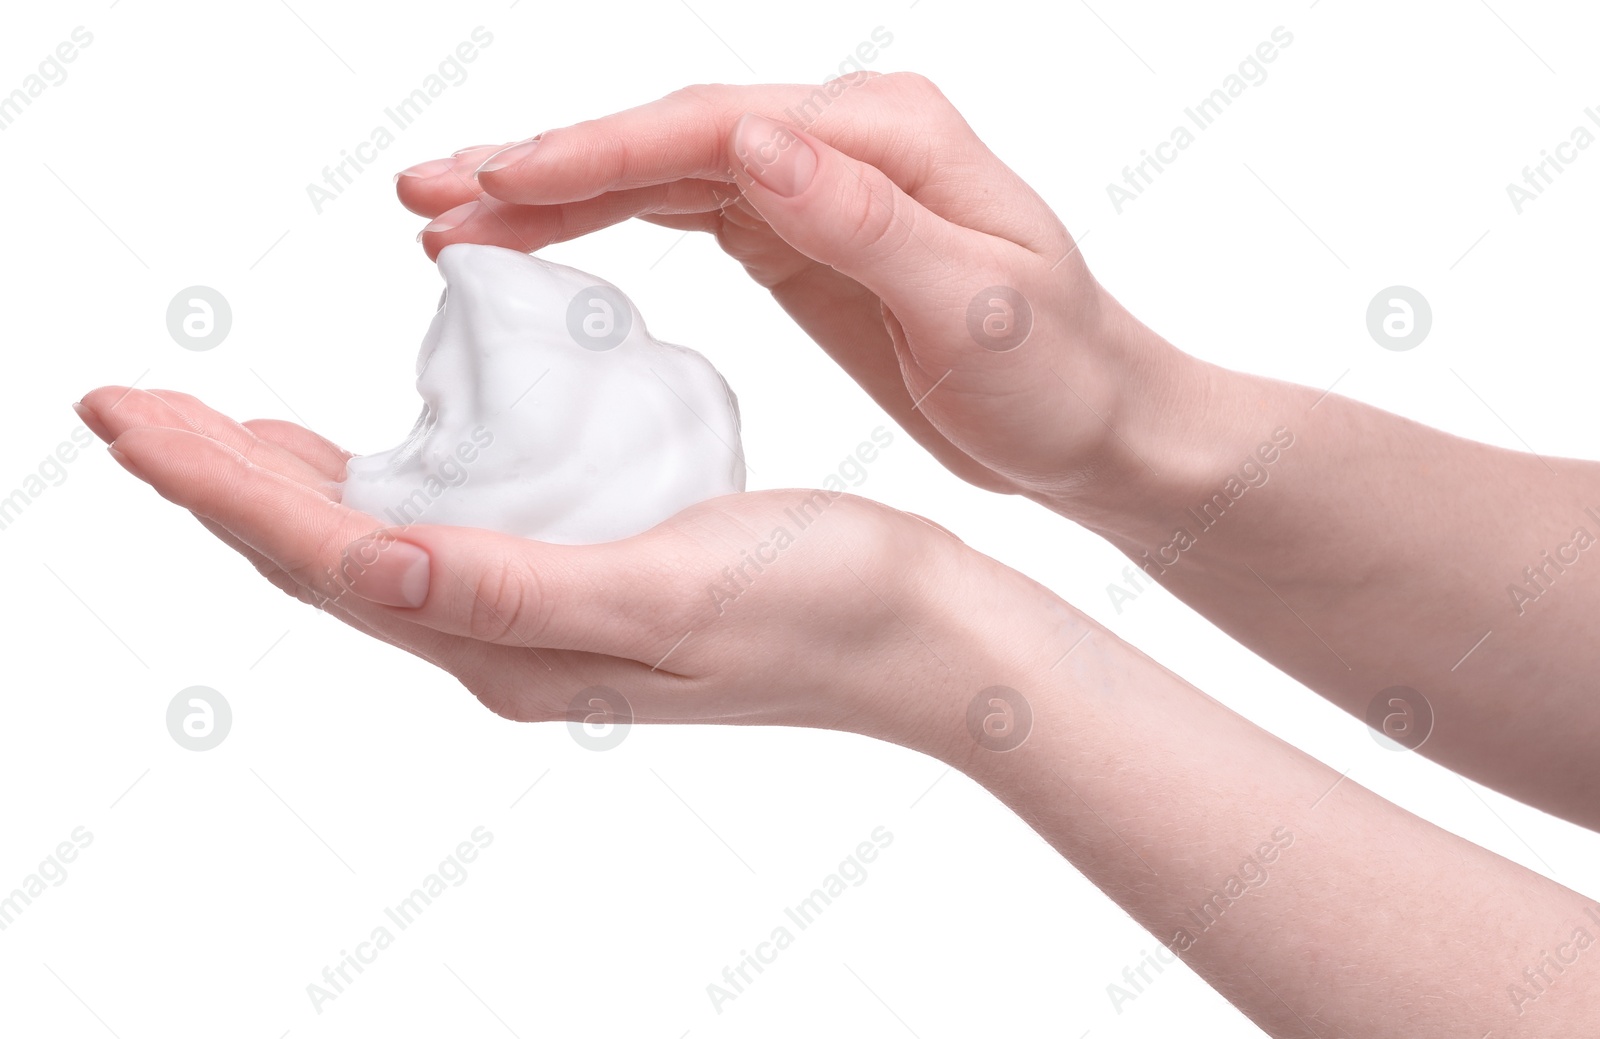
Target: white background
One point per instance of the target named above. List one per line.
(219, 884)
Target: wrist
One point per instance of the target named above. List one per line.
(1170, 426)
(996, 634)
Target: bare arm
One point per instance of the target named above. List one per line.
(1377, 554)
(1368, 555)
(1313, 905)
(1310, 903)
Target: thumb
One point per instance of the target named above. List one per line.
(847, 214)
(507, 590)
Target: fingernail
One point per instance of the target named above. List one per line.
(431, 168)
(773, 155)
(509, 156)
(474, 148)
(92, 420)
(124, 461)
(451, 218)
(383, 569)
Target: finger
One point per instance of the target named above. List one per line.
(320, 453)
(295, 538)
(429, 188)
(900, 123)
(708, 222)
(847, 215)
(432, 188)
(118, 409)
(295, 526)
(98, 410)
(203, 475)
(489, 221)
(255, 449)
(631, 599)
(473, 583)
(292, 588)
(852, 217)
(682, 135)
(513, 682)
(855, 329)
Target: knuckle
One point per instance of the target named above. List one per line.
(914, 86)
(669, 594)
(703, 95)
(506, 605)
(324, 573)
(858, 77)
(883, 546)
(878, 226)
(929, 119)
(665, 609)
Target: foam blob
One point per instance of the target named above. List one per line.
(550, 413)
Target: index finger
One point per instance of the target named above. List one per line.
(886, 121)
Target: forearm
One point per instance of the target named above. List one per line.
(1310, 903)
(1358, 550)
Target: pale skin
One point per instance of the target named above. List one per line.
(1378, 555)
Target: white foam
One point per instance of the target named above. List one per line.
(549, 412)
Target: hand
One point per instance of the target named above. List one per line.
(940, 281)
(884, 217)
(849, 619)
(876, 622)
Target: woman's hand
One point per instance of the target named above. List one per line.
(1383, 554)
(940, 281)
(780, 607)
(873, 621)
